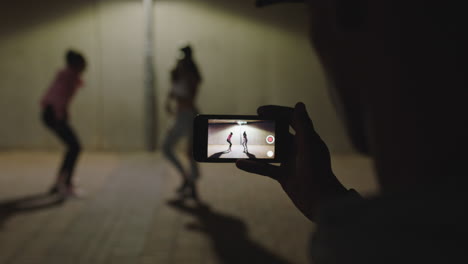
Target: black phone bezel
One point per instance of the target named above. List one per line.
(200, 137)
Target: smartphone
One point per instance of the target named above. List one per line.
(228, 138)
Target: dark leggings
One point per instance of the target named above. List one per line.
(230, 144)
(63, 131)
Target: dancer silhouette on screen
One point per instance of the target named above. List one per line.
(244, 142)
(229, 141)
(185, 79)
(55, 104)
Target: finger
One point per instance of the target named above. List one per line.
(305, 133)
(275, 111)
(290, 142)
(256, 167)
(296, 116)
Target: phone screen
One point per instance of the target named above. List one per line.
(241, 139)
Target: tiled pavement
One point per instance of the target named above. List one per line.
(129, 214)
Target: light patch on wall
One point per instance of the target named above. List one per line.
(256, 133)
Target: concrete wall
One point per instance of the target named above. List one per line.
(248, 57)
(256, 133)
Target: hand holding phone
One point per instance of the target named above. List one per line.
(305, 172)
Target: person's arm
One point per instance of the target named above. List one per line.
(194, 83)
(306, 176)
(169, 98)
(69, 83)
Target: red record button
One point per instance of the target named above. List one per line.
(270, 139)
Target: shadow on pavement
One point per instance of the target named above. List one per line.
(229, 235)
(26, 204)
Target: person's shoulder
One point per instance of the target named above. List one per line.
(405, 203)
(388, 225)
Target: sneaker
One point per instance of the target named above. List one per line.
(74, 192)
(181, 189)
(192, 193)
(58, 188)
(53, 190)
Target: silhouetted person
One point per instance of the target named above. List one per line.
(185, 79)
(397, 72)
(55, 104)
(229, 141)
(244, 142)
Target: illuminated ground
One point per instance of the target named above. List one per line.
(126, 216)
(237, 151)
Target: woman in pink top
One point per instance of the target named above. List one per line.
(55, 116)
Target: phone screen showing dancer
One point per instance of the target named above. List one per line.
(229, 138)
